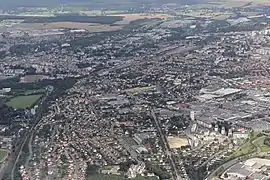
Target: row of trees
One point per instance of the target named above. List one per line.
(267, 141)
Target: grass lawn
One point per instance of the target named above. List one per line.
(246, 148)
(23, 101)
(254, 144)
(3, 154)
(260, 143)
(265, 148)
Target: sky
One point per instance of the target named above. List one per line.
(10, 3)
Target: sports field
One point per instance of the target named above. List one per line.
(177, 142)
(24, 101)
(3, 155)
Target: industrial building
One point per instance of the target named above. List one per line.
(255, 168)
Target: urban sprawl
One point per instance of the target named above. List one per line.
(180, 97)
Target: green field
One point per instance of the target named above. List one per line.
(245, 149)
(248, 147)
(230, 3)
(260, 144)
(3, 154)
(24, 101)
(254, 144)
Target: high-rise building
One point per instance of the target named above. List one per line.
(216, 127)
(230, 132)
(223, 132)
(192, 115)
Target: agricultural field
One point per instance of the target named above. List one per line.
(64, 18)
(221, 16)
(92, 21)
(23, 101)
(95, 12)
(128, 18)
(74, 18)
(205, 14)
(91, 27)
(236, 3)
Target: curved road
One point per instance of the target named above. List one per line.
(239, 159)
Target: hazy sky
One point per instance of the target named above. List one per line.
(7, 3)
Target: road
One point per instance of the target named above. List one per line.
(9, 167)
(254, 143)
(2, 168)
(30, 151)
(166, 146)
(236, 160)
(212, 157)
(225, 166)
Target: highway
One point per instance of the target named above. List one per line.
(212, 157)
(236, 160)
(166, 146)
(224, 166)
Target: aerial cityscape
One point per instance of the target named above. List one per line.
(140, 90)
